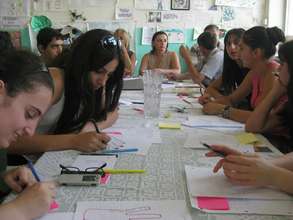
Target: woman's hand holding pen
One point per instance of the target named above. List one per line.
(39, 195)
(90, 141)
(19, 178)
(248, 169)
(204, 99)
(225, 150)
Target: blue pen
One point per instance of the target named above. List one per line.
(119, 151)
(32, 168)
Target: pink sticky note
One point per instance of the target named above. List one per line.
(213, 203)
(105, 179)
(54, 205)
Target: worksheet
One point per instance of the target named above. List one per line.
(203, 182)
(130, 210)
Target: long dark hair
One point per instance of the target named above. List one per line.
(264, 38)
(233, 74)
(285, 55)
(82, 102)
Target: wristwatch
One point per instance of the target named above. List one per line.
(226, 111)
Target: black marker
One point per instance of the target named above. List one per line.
(221, 154)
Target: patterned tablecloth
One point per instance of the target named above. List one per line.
(164, 165)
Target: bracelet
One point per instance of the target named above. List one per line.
(226, 111)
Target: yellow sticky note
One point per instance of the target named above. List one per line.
(167, 125)
(246, 138)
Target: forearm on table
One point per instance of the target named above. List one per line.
(239, 115)
(10, 211)
(282, 179)
(42, 143)
(285, 161)
(212, 91)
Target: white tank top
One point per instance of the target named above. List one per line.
(49, 120)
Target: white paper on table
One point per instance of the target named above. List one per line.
(129, 102)
(251, 206)
(85, 161)
(168, 86)
(211, 121)
(58, 216)
(196, 138)
(140, 138)
(125, 210)
(125, 102)
(203, 182)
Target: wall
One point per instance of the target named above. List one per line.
(197, 17)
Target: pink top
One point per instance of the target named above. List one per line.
(257, 88)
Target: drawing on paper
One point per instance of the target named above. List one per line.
(137, 213)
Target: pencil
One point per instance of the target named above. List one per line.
(122, 171)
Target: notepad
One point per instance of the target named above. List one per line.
(169, 125)
(246, 138)
(211, 121)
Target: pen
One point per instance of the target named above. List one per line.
(31, 167)
(95, 125)
(54, 204)
(122, 171)
(98, 154)
(221, 154)
(119, 151)
(138, 102)
(186, 101)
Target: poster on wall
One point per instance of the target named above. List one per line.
(13, 22)
(169, 16)
(175, 35)
(129, 26)
(14, 8)
(236, 3)
(152, 4)
(154, 16)
(147, 34)
(53, 5)
(199, 4)
(123, 13)
(180, 4)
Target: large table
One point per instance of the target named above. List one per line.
(164, 165)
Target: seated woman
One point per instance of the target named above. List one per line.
(253, 170)
(87, 90)
(26, 90)
(269, 116)
(257, 48)
(128, 55)
(233, 70)
(160, 59)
